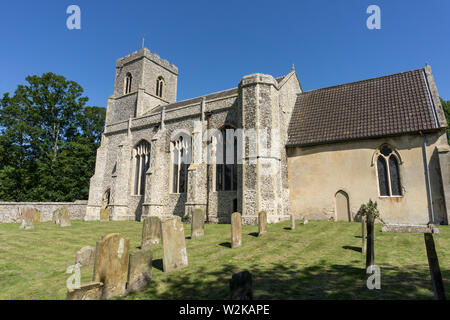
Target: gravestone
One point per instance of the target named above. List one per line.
(305, 221)
(151, 232)
(111, 264)
(139, 270)
(37, 216)
(105, 213)
(236, 230)
(27, 218)
(64, 218)
(262, 223)
(56, 215)
(198, 224)
(241, 286)
(173, 244)
(292, 222)
(90, 291)
(370, 250)
(85, 256)
(435, 270)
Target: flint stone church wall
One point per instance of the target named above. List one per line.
(10, 212)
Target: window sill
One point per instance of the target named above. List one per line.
(390, 197)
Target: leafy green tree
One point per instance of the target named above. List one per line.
(446, 107)
(48, 141)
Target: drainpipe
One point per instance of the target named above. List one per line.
(427, 174)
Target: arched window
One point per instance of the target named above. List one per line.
(160, 87)
(226, 160)
(181, 158)
(127, 84)
(141, 164)
(388, 173)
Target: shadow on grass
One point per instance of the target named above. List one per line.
(290, 281)
(158, 264)
(253, 234)
(287, 228)
(357, 249)
(225, 244)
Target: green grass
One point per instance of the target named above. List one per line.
(320, 260)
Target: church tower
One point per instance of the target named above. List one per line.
(143, 82)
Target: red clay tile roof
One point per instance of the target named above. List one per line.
(389, 105)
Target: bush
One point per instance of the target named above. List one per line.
(370, 207)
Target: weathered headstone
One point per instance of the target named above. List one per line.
(139, 270)
(27, 218)
(363, 234)
(435, 270)
(37, 216)
(151, 232)
(56, 215)
(305, 221)
(85, 256)
(198, 224)
(236, 230)
(64, 218)
(173, 244)
(241, 286)
(292, 222)
(262, 223)
(89, 291)
(370, 249)
(105, 213)
(111, 264)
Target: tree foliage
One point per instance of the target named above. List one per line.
(48, 140)
(446, 107)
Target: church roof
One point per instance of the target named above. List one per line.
(390, 105)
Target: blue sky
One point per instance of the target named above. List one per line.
(215, 43)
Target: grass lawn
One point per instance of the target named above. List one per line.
(319, 260)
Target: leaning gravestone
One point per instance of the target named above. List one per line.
(90, 291)
(236, 230)
(241, 286)
(292, 222)
(173, 244)
(85, 256)
(262, 223)
(27, 218)
(198, 224)
(140, 270)
(111, 264)
(64, 218)
(56, 215)
(105, 213)
(370, 248)
(151, 232)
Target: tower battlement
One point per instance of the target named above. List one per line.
(144, 52)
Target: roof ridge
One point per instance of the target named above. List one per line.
(360, 81)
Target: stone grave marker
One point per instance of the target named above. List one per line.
(173, 244)
(370, 249)
(37, 216)
(151, 232)
(56, 215)
(262, 223)
(292, 222)
(85, 256)
(198, 224)
(105, 213)
(111, 264)
(64, 218)
(435, 270)
(363, 234)
(139, 270)
(27, 218)
(236, 230)
(241, 286)
(89, 291)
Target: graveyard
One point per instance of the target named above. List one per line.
(317, 260)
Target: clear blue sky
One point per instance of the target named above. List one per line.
(215, 43)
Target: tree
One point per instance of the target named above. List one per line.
(446, 107)
(48, 141)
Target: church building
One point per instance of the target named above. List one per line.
(268, 145)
